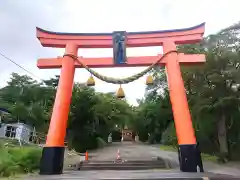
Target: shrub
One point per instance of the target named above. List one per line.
(169, 136)
(82, 143)
(101, 142)
(19, 160)
(7, 165)
(27, 158)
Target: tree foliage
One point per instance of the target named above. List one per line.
(93, 115)
(213, 93)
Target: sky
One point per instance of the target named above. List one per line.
(19, 20)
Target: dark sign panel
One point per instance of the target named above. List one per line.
(119, 47)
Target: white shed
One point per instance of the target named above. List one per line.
(19, 131)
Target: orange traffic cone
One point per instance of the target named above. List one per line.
(86, 156)
(118, 155)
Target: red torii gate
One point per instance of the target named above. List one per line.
(53, 152)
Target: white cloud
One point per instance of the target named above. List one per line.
(19, 19)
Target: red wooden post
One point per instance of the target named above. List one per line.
(182, 118)
(53, 152)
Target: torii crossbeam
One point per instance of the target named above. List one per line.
(53, 152)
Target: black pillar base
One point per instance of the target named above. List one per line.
(190, 158)
(52, 160)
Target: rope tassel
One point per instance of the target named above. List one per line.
(91, 81)
(149, 80)
(120, 93)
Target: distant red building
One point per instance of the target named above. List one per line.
(127, 134)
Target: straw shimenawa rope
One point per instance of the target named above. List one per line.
(118, 80)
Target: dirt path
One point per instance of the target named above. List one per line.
(128, 151)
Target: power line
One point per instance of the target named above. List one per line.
(29, 72)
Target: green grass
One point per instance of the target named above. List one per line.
(206, 157)
(168, 148)
(14, 142)
(15, 160)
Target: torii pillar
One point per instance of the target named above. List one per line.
(53, 152)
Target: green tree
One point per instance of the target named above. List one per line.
(212, 90)
(28, 101)
(153, 114)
